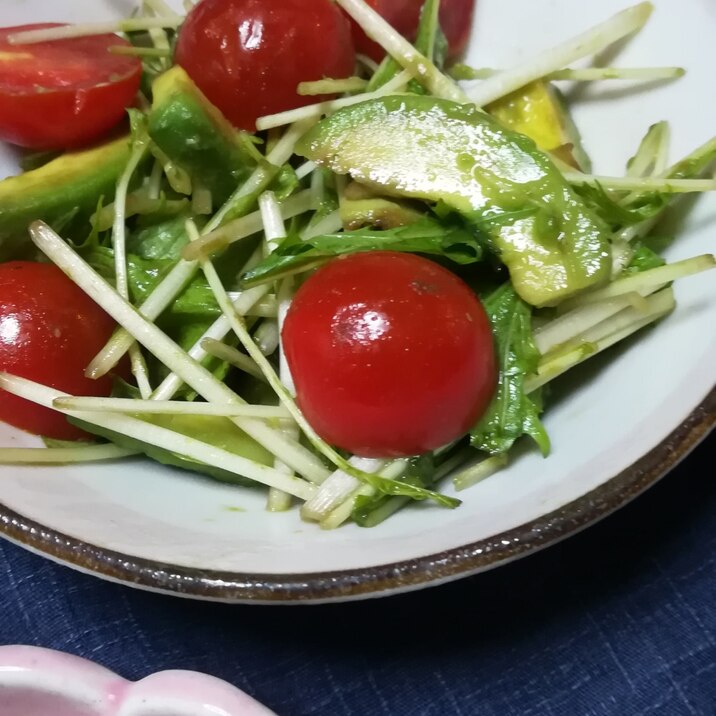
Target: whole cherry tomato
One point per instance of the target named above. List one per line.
(64, 93)
(248, 56)
(404, 15)
(49, 331)
(391, 354)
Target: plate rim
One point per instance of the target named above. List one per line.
(380, 580)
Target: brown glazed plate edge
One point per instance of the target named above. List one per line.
(380, 580)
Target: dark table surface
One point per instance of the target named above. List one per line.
(617, 621)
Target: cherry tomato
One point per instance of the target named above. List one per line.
(391, 354)
(248, 56)
(49, 331)
(404, 15)
(65, 93)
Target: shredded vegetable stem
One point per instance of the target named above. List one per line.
(329, 86)
(138, 364)
(63, 456)
(182, 272)
(274, 232)
(402, 51)
(158, 35)
(192, 373)
(63, 32)
(312, 112)
(252, 349)
(628, 183)
(274, 381)
(164, 438)
(171, 407)
(588, 43)
(586, 74)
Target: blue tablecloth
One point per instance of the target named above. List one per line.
(617, 621)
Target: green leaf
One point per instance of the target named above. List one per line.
(643, 259)
(454, 242)
(369, 510)
(615, 214)
(397, 488)
(162, 240)
(512, 413)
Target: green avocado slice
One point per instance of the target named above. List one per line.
(436, 150)
(65, 189)
(194, 134)
(220, 432)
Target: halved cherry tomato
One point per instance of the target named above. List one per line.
(248, 56)
(391, 354)
(404, 15)
(49, 331)
(65, 93)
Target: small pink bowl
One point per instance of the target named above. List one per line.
(41, 682)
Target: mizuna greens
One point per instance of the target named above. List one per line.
(194, 237)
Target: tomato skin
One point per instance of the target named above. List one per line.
(248, 56)
(66, 93)
(391, 354)
(49, 331)
(404, 16)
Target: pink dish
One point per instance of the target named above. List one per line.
(40, 682)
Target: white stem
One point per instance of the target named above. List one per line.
(60, 456)
(163, 438)
(338, 487)
(235, 358)
(640, 281)
(271, 221)
(329, 224)
(274, 232)
(556, 58)
(244, 227)
(266, 337)
(154, 185)
(586, 74)
(479, 472)
(305, 169)
(313, 112)
(343, 512)
(167, 351)
(628, 183)
(329, 86)
(570, 325)
(170, 407)
(119, 244)
(218, 330)
(600, 338)
(402, 51)
(274, 381)
(285, 296)
(64, 32)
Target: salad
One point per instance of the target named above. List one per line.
(298, 245)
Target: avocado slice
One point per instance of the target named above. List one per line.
(66, 189)
(360, 207)
(192, 133)
(436, 150)
(220, 432)
(538, 110)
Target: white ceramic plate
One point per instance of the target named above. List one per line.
(614, 435)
